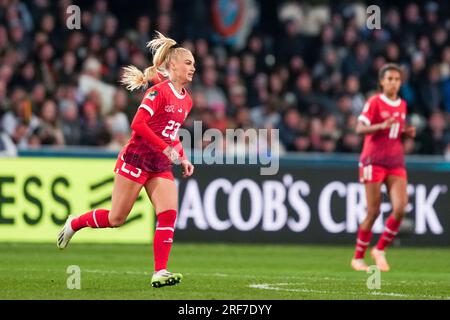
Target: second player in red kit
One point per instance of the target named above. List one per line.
(383, 122)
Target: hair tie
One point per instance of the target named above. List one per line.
(175, 46)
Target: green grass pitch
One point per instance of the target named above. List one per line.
(219, 271)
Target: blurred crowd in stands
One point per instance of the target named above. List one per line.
(305, 69)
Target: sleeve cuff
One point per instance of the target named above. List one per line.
(364, 119)
(143, 106)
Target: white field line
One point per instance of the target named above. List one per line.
(278, 287)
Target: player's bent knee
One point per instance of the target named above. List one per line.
(373, 212)
(399, 212)
(399, 208)
(372, 216)
(116, 222)
(371, 219)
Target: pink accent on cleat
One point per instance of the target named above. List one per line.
(359, 265)
(380, 259)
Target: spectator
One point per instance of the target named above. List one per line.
(20, 42)
(243, 119)
(266, 115)
(352, 90)
(111, 67)
(67, 69)
(350, 142)
(237, 99)
(358, 62)
(27, 77)
(215, 97)
(393, 25)
(291, 42)
(70, 124)
(93, 130)
(46, 67)
(289, 129)
(7, 146)
(143, 27)
(315, 134)
(432, 140)
(430, 92)
(99, 16)
(327, 143)
(330, 127)
(407, 91)
(305, 97)
(49, 131)
(90, 80)
(117, 121)
(4, 99)
(20, 122)
(343, 110)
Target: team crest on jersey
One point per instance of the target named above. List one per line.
(170, 108)
(385, 114)
(152, 95)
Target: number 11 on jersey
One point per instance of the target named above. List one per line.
(395, 128)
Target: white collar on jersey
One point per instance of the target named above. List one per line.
(392, 103)
(175, 92)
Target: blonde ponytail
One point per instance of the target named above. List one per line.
(133, 78)
(160, 47)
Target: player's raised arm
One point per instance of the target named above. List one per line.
(367, 119)
(141, 127)
(363, 128)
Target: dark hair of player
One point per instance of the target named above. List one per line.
(388, 67)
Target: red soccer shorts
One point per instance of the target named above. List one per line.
(138, 175)
(371, 173)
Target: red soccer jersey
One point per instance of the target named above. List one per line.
(383, 147)
(168, 110)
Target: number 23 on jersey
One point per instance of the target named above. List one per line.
(171, 130)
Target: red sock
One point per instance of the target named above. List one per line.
(362, 243)
(389, 233)
(97, 218)
(162, 242)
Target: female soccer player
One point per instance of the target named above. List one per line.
(147, 159)
(382, 121)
